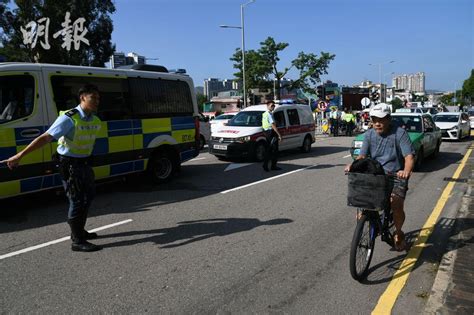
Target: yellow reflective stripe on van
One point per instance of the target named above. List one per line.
(183, 136)
(7, 138)
(32, 157)
(10, 188)
(156, 125)
(120, 143)
(102, 171)
(138, 141)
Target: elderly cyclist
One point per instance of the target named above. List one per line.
(392, 148)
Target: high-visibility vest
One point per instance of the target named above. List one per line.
(265, 124)
(85, 133)
(349, 117)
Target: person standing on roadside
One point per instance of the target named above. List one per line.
(349, 118)
(76, 131)
(273, 137)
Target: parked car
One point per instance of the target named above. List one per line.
(221, 120)
(430, 110)
(243, 135)
(204, 131)
(423, 133)
(418, 110)
(453, 125)
(470, 113)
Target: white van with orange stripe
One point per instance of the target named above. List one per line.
(243, 136)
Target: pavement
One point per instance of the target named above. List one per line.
(453, 289)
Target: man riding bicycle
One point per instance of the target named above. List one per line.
(391, 147)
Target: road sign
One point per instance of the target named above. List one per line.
(365, 101)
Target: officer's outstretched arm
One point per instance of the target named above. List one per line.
(42, 140)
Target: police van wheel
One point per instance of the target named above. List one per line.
(259, 151)
(306, 147)
(161, 167)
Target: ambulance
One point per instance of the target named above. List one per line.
(242, 136)
(149, 121)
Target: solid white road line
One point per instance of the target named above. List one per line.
(29, 249)
(266, 180)
(196, 159)
(346, 156)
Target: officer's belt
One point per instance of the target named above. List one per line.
(75, 160)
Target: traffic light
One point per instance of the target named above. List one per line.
(374, 96)
(320, 91)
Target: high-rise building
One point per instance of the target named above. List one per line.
(213, 86)
(119, 59)
(410, 82)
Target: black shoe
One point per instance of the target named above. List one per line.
(90, 236)
(85, 246)
(276, 168)
(86, 236)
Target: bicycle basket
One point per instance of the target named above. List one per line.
(368, 191)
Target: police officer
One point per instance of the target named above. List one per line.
(349, 118)
(273, 137)
(75, 130)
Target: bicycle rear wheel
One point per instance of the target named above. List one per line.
(362, 248)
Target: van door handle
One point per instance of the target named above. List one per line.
(30, 133)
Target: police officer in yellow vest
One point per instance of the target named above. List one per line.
(349, 118)
(76, 131)
(273, 137)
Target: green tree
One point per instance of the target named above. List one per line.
(310, 68)
(201, 100)
(468, 88)
(97, 21)
(263, 64)
(256, 69)
(269, 51)
(396, 104)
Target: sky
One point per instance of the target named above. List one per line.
(431, 36)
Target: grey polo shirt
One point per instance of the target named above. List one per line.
(383, 148)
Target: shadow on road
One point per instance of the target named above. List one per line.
(136, 193)
(188, 232)
(431, 252)
(444, 160)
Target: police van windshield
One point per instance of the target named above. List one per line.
(247, 119)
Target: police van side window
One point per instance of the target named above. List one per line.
(113, 94)
(160, 98)
(293, 117)
(16, 97)
(279, 119)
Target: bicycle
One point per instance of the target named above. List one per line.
(370, 223)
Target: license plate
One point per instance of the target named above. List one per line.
(220, 147)
(356, 151)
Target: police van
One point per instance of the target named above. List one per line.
(242, 136)
(149, 121)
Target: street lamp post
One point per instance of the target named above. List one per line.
(242, 28)
(380, 68)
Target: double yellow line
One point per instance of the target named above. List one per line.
(388, 298)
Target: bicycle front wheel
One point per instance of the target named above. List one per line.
(362, 248)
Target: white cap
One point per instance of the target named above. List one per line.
(380, 110)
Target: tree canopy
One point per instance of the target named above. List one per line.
(43, 31)
(468, 88)
(262, 64)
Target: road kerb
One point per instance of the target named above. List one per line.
(388, 298)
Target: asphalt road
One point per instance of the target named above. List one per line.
(217, 241)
